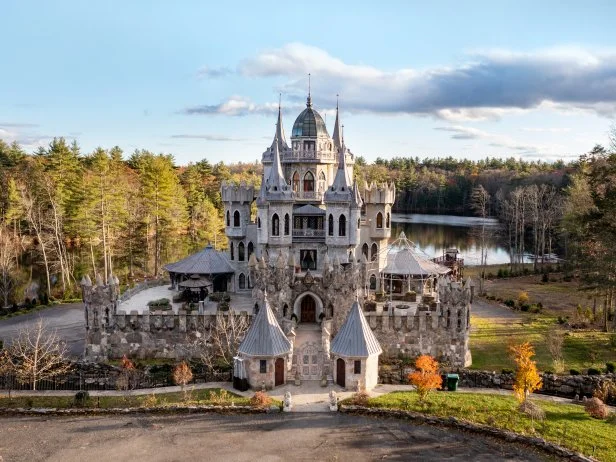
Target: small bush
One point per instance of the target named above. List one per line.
(510, 303)
(593, 371)
(610, 367)
(499, 274)
(222, 397)
(150, 401)
(574, 372)
(545, 278)
(597, 409)
(523, 298)
(561, 320)
(532, 410)
(507, 371)
(605, 391)
(360, 398)
(260, 399)
(525, 307)
(81, 398)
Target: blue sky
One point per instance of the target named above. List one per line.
(200, 80)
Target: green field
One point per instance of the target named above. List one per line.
(195, 397)
(565, 424)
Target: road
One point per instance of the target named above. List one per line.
(67, 320)
(271, 437)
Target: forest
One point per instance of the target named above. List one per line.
(65, 213)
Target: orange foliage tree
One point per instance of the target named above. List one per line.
(527, 378)
(426, 376)
(182, 375)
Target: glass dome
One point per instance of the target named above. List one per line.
(309, 123)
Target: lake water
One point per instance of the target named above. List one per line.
(434, 233)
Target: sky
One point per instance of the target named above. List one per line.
(198, 79)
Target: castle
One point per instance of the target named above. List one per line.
(316, 262)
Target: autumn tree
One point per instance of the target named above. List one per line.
(37, 354)
(426, 376)
(8, 261)
(527, 378)
(182, 375)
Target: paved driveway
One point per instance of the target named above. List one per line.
(272, 437)
(68, 320)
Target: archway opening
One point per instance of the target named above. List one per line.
(308, 309)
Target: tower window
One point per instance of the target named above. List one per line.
(242, 281)
(236, 218)
(387, 223)
(372, 282)
(286, 224)
(231, 250)
(374, 252)
(308, 182)
(259, 222)
(342, 226)
(379, 220)
(364, 250)
(357, 367)
(263, 366)
(228, 218)
(275, 225)
(295, 182)
(251, 249)
(330, 225)
(240, 252)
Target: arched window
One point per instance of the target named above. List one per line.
(322, 176)
(236, 218)
(365, 251)
(372, 282)
(256, 309)
(379, 220)
(251, 249)
(240, 251)
(330, 225)
(259, 222)
(295, 182)
(286, 224)
(342, 226)
(374, 252)
(275, 225)
(285, 310)
(308, 182)
(231, 250)
(228, 218)
(242, 279)
(387, 221)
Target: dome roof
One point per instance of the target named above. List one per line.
(309, 123)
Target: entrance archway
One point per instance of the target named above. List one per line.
(308, 310)
(340, 372)
(279, 372)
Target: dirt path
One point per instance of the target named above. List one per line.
(487, 309)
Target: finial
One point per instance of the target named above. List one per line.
(309, 100)
(337, 101)
(342, 134)
(279, 101)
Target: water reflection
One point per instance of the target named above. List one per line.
(434, 233)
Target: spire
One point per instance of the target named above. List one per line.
(276, 177)
(337, 137)
(282, 140)
(309, 99)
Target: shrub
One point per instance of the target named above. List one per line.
(360, 398)
(532, 410)
(527, 378)
(499, 274)
(523, 298)
(426, 377)
(507, 371)
(525, 307)
(562, 320)
(610, 367)
(593, 371)
(574, 372)
(260, 399)
(81, 398)
(545, 278)
(150, 401)
(510, 303)
(605, 391)
(222, 397)
(597, 409)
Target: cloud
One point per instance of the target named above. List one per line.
(13, 132)
(17, 125)
(236, 106)
(546, 129)
(464, 133)
(207, 72)
(488, 85)
(207, 137)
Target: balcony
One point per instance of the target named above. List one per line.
(308, 195)
(232, 231)
(311, 235)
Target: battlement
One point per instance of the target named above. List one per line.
(384, 193)
(232, 192)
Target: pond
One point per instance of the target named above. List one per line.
(434, 233)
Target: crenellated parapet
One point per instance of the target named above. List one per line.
(237, 193)
(379, 193)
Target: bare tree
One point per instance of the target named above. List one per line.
(37, 354)
(182, 375)
(8, 259)
(554, 340)
(480, 202)
(220, 342)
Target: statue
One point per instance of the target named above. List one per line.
(333, 401)
(288, 402)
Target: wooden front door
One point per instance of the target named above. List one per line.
(340, 372)
(279, 372)
(308, 310)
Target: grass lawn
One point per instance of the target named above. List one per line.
(565, 424)
(207, 396)
(489, 341)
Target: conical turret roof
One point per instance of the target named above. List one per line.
(265, 337)
(279, 137)
(355, 338)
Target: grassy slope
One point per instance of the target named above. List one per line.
(208, 396)
(565, 424)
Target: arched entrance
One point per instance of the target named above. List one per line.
(308, 309)
(279, 372)
(340, 372)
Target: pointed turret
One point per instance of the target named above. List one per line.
(337, 137)
(342, 188)
(355, 338)
(279, 137)
(265, 337)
